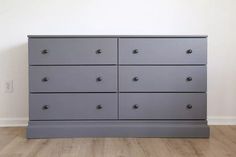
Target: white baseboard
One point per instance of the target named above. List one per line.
(212, 120)
(12, 122)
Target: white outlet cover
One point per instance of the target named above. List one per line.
(8, 86)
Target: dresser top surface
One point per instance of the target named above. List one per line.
(117, 36)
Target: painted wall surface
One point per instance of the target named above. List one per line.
(215, 18)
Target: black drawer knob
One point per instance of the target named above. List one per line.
(135, 79)
(135, 106)
(45, 107)
(189, 78)
(189, 106)
(99, 79)
(189, 51)
(45, 51)
(99, 107)
(135, 51)
(99, 51)
(45, 79)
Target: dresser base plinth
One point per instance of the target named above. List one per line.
(118, 128)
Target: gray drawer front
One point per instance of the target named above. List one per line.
(162, 79)
(163, 51)
(72, 51)
(73, 79)
(162, 106)
(73, 106)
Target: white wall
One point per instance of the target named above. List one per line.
(216, 18)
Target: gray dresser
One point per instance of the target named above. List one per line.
(117, 86)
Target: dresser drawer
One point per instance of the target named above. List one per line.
(162, 106)
(73, 106)
(162, 78)
(73, 78)
(163, 51)
(56, 51)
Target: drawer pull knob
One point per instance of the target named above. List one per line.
(135, 51)
(189, 51)
(99, 107)
(99, 51)
(45, 79)
(189, 78)
(98, 79)
(136, 106)
(135, 79)
(189, 106)
(45, 51)
(45, 107)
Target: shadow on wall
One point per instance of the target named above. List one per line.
(14, 66)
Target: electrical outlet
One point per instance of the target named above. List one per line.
(8, 86)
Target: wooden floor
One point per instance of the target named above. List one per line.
(222, 143)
